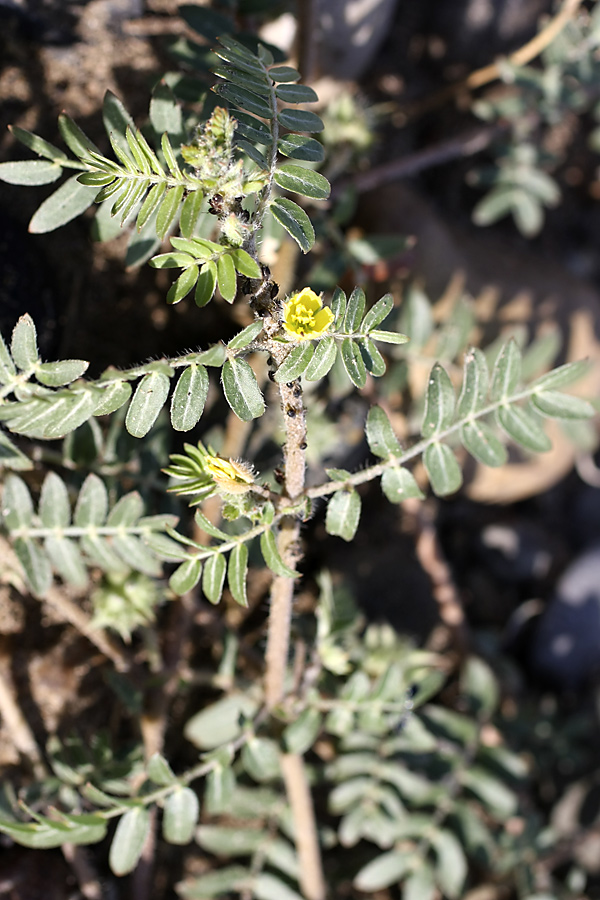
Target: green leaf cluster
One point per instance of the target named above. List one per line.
(115, 539)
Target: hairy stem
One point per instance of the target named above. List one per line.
(312, 882)
(282, 592)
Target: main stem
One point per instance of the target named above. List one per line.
(282, 591)
(312, 882)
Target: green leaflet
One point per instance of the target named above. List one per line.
(183, 285)
(189, 397)
(439, 402)
(180, 816)
(442, 468)
(300, 120)
(213, 577)
(271, 555)
(302, 181)
(186, 576)
(35, 565)
(148, 400)
(128, 841)
(31, 172)
(343, 514)
(65, 204)
(245, 337)
(322, 360)
(378, 312)
(295, 221)
(54, 508)
(524, 428)
(237, 572)
(23, 346)
(300, 146)
(226, 277)
(507, 372)
(562, 406)
(354, 310)
(380, 434)
(37, 144)
(295, 363)
(399, 484)
(241, 389)
(353, 362)
(92, 503)
(475, 383)
(190, 213)
(482, 443)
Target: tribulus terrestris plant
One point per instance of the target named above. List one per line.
(418, 795)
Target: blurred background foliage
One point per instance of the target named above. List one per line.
(453, 754)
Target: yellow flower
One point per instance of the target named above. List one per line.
(304, 317)
(233, 477)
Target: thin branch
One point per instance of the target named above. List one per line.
(282, 593)
(371, 472)
(73, 613)
(312, 882)
(487, 74)
(467, 144)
